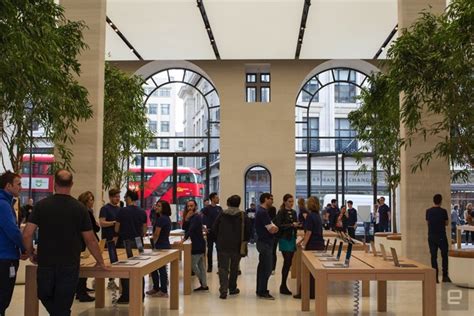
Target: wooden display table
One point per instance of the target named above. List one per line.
(184, 256)
(459, 230)
(365, 267)
(135, 273)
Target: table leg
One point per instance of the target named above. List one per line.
(136, 294)
(293, 267)
(304, 288)
(381, 296)
(99, 293)
(321, 287)
(174, 285)
(187, 269)
(458, 237)
(365, 288)
(31, 296)
(429, 294)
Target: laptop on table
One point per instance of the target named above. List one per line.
(325, 254)
(344, 264)
(128, 249)
(339, 251)
(141, 249)
(397, 262)
(114, 257)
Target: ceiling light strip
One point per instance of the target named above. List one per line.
(124, 39)
(304, 17)
(207, 25)
(387, 41)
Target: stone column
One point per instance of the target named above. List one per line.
(87, 149)
(417, 190)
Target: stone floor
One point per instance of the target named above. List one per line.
(404, 298)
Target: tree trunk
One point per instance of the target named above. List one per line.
(394, 209)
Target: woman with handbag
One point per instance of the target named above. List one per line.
(287, 222)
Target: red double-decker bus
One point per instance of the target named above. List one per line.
(158, 185)
(41, 177)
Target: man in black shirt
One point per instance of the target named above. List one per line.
(384, 216)
(130, 223)
(251, 215)
(63, 224)
(210, 213)
(437, 220)
(333, 212)
(352, 221)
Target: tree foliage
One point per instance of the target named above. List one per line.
(38, 76)
(125, 124)
(432, 64)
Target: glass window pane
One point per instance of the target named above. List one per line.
(264, 77)
(251, 78)
(251, 94)
(265, 94)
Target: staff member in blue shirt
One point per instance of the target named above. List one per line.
(210, 213)
(11, 240)
(352, 221)
(265, 230)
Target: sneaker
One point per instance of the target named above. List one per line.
(234, 292)
(201, 288)
(112, 286)
(223, 296)
(122, 300)
(152, 292)
(266, 296)
(446, 279)
(85, 298)
(161, 294)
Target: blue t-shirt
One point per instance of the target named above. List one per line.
(198, 245)
(109, 212)
(383, 213)
(261, 220)
(131, 219)
(164, 222)
(352, 217)
(314, 224)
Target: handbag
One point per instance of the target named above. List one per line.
(243, 244)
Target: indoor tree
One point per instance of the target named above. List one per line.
(377, 123)
(38, 77)
(125, 124)
(432, 64)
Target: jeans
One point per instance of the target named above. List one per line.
(384, 227)
(264, 268)
(56, 288)
(160, 279)
(7, 283)
(441, 242)
(351, 232)
(228, 264)
(197, 263)
(81, 288)
(126, 289)
(210, 248)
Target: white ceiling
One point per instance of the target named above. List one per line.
(249, 29)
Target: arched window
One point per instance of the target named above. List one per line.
(258, 180)
(326, 143)
(182, 160)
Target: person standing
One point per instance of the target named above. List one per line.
(251, 215)
(130, 223)
(455, 221)
(64, 224)
(87, 199)
(302, 211)
(352, 220)
(25, 212)
(107, 217)
(287, 223)
(161, 240)
(313, 238)
(272, 213)
(210, 214)
(384, 216)
(265, 230)
(333, 212)
(193, 231)
(469, 216)
(437, 220)
(11, 241)
(228, 228)
(342, 220)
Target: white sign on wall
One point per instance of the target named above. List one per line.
(36, 183)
